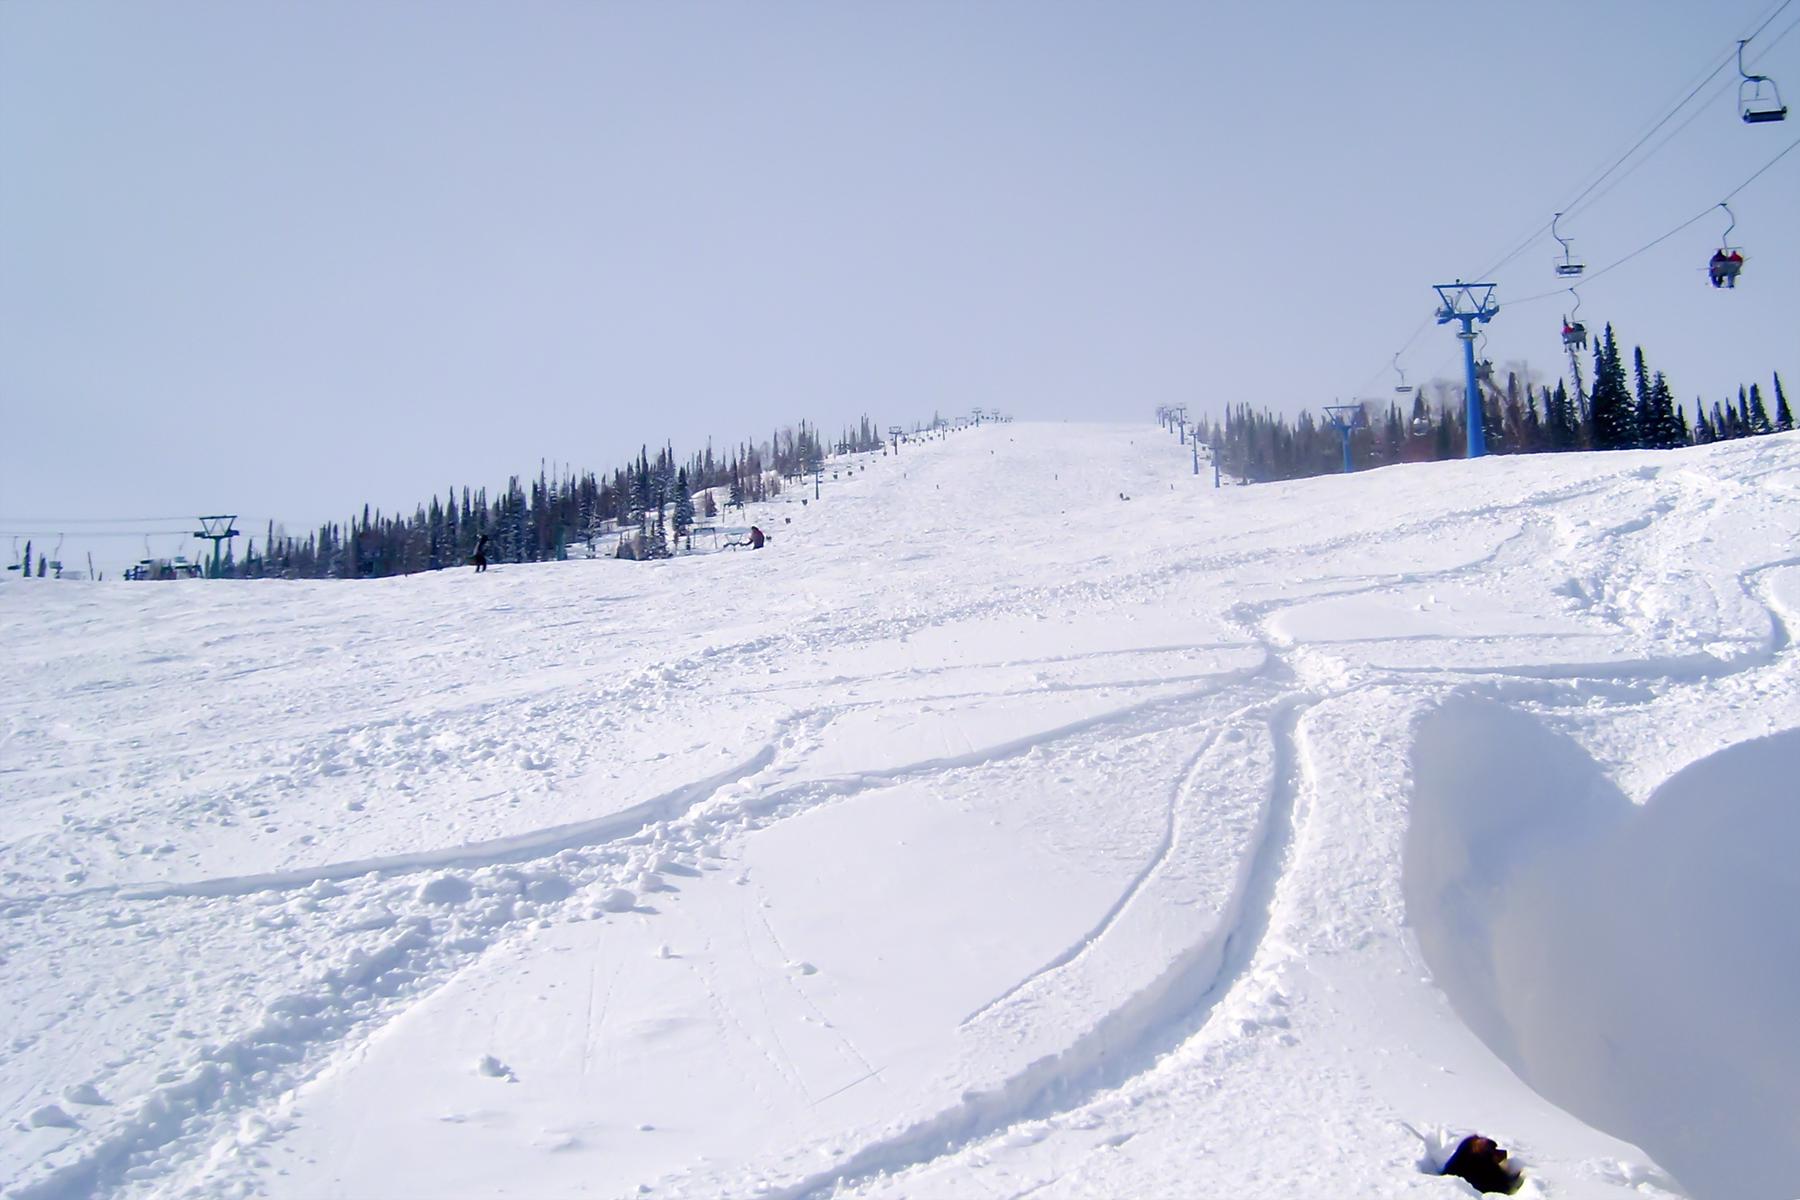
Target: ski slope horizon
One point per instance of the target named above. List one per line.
(1029, 817)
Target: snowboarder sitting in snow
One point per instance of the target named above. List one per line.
(1483, 1163)
(754, 541)
(480, 558)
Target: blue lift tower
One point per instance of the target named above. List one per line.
(1468, 303)
(1347, 419)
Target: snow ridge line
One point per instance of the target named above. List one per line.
(852, 782)
(1699, 666)
(1127, 1041)
(1081, 945)
(519, 847)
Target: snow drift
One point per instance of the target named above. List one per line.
(1639, 965)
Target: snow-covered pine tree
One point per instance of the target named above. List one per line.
(1784, 417)
(684, 505)
(658, 545)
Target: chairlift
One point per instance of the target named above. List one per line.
(1570, 266)
(1722, 269)
(1757, 109)
(1403, 387)
(1574, 333)
(1484, 366)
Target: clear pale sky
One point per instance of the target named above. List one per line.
(283, 259)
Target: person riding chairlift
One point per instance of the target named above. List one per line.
(1723, 268)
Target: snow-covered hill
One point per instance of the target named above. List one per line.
(1028, 818)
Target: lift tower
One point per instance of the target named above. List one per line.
(1346, 419)
(217, 530)
(1467, 303)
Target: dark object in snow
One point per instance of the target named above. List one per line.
(480, 559)
(1482, 1163)
(754, 541)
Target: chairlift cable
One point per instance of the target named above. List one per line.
(98, 520)
(97, 533)
(1699, 111)
(1648, 135)
(1404, 347)
(1770, 19)
(1708, 211)
(1571, 207)
(1575, 205)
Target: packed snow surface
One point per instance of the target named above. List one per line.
(1029, 817)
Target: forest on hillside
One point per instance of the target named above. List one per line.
(650, 499)
(1621, 410)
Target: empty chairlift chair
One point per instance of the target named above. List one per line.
(1756, 107)
(1568, 266)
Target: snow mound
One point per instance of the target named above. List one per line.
(1639, 966)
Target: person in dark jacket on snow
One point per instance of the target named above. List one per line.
(481, 553)
(756, 538)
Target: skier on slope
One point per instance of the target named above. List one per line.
(480, 559)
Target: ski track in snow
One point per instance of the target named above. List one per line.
(414, 919)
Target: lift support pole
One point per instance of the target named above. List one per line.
(1468, 303)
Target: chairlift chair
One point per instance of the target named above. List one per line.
(1755, 107)
(1574, 333)
(1484, 366)
(1570, 266)
(1403, 387)
(1728, 260)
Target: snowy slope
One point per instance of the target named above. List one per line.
(987, 834)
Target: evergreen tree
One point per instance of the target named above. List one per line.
(684, 505)
(657, 545)
(1644, 415)
(1663, 429)
(1784, 418)
(1756, 417)
(1613, 413)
